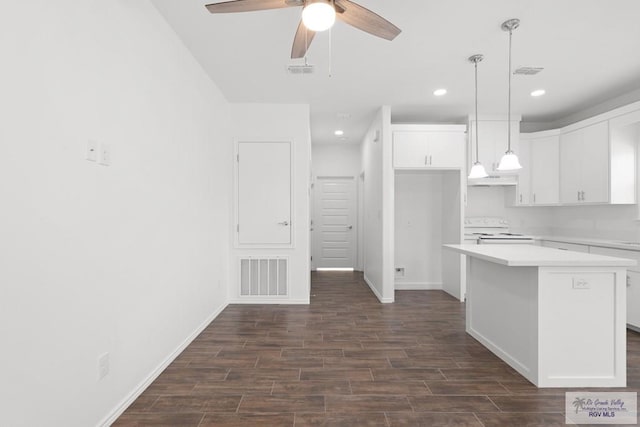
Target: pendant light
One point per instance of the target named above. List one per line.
(477, 170)
(509, 162)
(319, 15)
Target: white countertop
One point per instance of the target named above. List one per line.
(605, 243)
(538, 256)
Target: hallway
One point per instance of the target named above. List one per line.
(347, 360)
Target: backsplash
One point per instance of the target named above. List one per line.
(618, 222)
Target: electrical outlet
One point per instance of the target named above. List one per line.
(103, 366)
(581, 284)
(105, 154)
(92, 150)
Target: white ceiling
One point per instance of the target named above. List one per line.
(590, 51)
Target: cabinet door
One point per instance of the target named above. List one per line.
(594, 170)
(545, 170)
(524, 196)
(410, 149)
(570, 165)
(446, 149)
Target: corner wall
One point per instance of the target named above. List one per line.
(128, 259)
(379, 207)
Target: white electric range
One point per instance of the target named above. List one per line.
(492, 230)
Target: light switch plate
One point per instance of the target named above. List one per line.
(105, 154)
(92, 150)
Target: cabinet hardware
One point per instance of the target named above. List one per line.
(426, 160)
(534, 197)
(284, 223)
(520, 198)
(578, 195)
(430, 160)
(582, 193)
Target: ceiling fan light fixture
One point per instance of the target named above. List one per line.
(319, 15)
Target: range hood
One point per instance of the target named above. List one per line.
(493, 180)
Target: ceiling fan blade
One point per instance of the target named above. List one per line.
(301, 41)
(249, 5)
(366, 20)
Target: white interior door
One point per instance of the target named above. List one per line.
(264, 193)
(334, 230)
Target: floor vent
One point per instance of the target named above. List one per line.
(260, 276)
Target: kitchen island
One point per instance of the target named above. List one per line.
(557, 317)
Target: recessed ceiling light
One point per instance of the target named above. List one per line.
(339, 133)
(440, 92)
(538, 92)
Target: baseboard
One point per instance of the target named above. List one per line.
(418, 286)
(125, 403)
(283, 301)
(375, 291)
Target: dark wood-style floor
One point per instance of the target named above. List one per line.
(347, 360)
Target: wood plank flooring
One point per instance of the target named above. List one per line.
(347, 360)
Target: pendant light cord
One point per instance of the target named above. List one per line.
(476, 67)
(509, 104)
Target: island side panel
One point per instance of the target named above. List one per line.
(582, 327)
(502, 310)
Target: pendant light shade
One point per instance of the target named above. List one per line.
(509, 161)
(477, 170)
(319, 15)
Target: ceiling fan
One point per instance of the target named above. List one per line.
(312, 10)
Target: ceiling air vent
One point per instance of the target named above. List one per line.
(300, 69)
(528, 71)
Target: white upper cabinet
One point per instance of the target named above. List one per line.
(598, 162)
(429, 146)
(492, 142)
(544, 170)
(584, 165)
(538, 180)
(524, 176)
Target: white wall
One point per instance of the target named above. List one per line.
(336, 160)
(281, 122)
(129, 259)
(372, 229)
(418, 230)
(379, 207)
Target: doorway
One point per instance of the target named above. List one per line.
(334, 223)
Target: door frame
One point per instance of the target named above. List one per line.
(356, 218)
(236, 198)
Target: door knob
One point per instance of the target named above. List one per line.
(285, 223)
(349, 227)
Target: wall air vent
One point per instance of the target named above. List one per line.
(528, 71)
(300, 69)
(264, 276)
